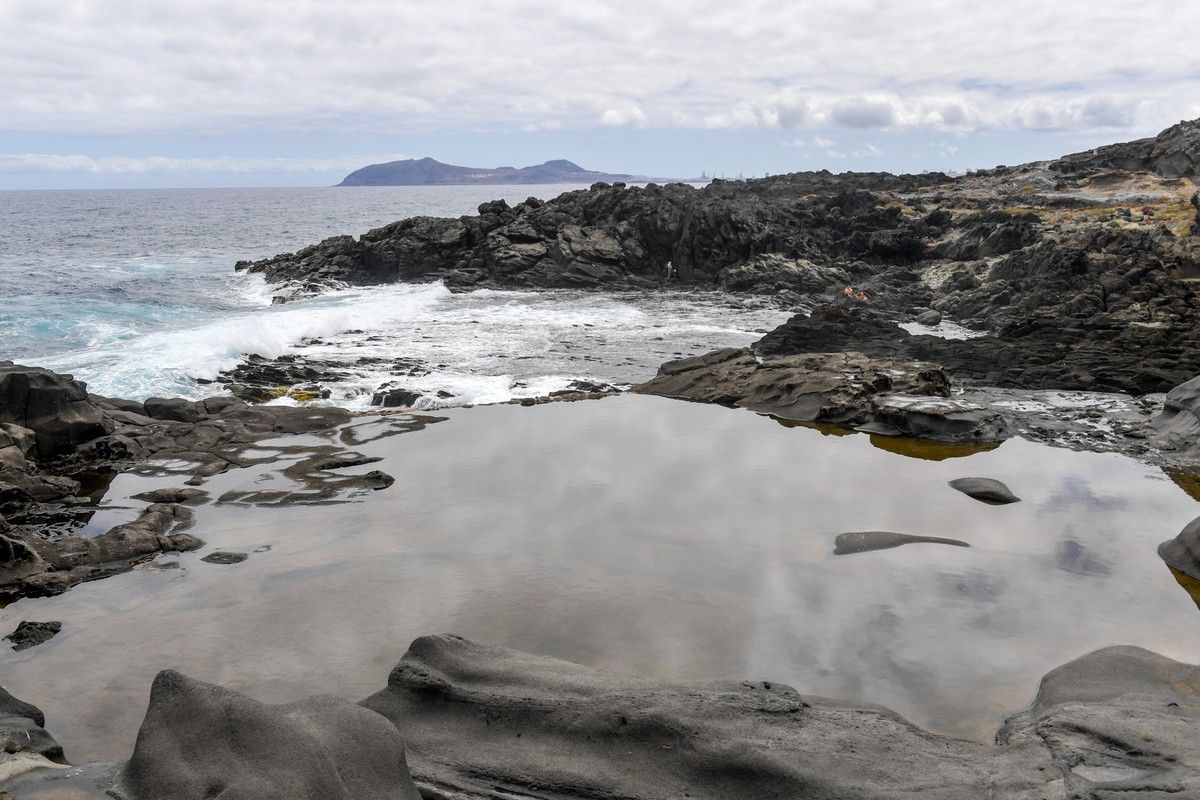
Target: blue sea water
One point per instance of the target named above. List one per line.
(134, 291)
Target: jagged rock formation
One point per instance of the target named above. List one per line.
(1082, 270)
(72, 435)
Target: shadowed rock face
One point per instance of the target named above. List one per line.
(200, 741)
(1183, 552)
(481, 720)
(987, 490)
(24, 745)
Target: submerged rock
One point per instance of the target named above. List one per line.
(224, 557)
(866, 541)
(200, 742)
(1183, 552)
(988, 490)
(30, 634)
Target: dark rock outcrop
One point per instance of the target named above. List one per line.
(200, 741)
(55, 407)
(1177, 426)
(987, 490)
(879, 395)
(31, 634)
(1174, 153)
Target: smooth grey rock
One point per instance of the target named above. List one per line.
(1183, 552)
(200, 742)
(187, 496)
(987, 490)
(866, 541)
(930, 318)
(943, 420)
(487, 722)
(1177, 426)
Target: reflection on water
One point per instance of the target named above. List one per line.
(645, 536)
(1189, 584)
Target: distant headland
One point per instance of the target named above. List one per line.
(430, 172)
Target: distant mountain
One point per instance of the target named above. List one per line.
(428, 172)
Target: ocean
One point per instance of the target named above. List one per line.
(134, 292)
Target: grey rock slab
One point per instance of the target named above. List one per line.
(987, 490)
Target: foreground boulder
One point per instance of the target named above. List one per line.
(24, 745)
(200, 741)
(1118, 722)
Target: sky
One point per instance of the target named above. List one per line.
(133, 93)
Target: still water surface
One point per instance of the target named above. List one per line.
(644, 536)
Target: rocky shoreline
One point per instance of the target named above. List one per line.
(1077, 275)
(461, 721)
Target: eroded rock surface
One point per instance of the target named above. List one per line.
(24, 744)
(200, 742)
(477, 720)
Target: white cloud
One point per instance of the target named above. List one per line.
(626, 116)
(378, 66)
(42, 163)
(868, 151)
(822, 142)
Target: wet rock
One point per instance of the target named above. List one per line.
(395, 397)
(1183, 552)
(55, 407)
(376, 479)
(187, 496)
(824, 387)
(866, 541)
(200, 741)
(30, 634)
(175, 409)
(40, 568)
(24, 744)
(224, 557)
(987, 490)
(931, 318)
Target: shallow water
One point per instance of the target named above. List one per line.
(646, 536)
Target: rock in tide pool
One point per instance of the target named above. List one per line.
(24, 745)
(866, 541)
(31, 634)
(224, 557)
(1183, 552)
(200, 741)
(987, 490)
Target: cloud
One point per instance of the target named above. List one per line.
(626, 116)
(868, 150)
(45, 163)
(380, 67)
(822, 142)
